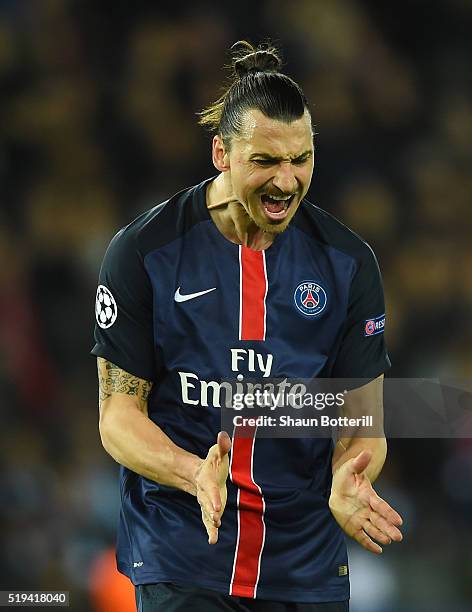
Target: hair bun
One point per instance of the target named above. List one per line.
(251, 59)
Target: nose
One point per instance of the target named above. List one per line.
(284, 178)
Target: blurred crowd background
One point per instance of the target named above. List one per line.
(98, 101)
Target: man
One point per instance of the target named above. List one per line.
(213, 284)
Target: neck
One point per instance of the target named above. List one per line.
(231, 218)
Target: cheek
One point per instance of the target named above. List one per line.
(304, 177)
(237, 179)
(250, 182)
(309, 172)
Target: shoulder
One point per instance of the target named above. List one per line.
(161, 224)
(327, 229)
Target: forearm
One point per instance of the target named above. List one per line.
(348, 448)
(134, 441)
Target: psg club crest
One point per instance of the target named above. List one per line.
(310, 298)
(106, 310)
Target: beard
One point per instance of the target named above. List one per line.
(273, 227)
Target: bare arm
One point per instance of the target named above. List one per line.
(132, 439)
(357, 461)
(365, 400)
(135, 441)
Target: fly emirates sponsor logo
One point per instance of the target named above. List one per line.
(238, 395)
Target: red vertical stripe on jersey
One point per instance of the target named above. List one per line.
(253, 294)
(251, 528)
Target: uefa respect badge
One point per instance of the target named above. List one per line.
(310, 298)
(374, 326)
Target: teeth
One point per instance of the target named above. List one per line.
(278, 198)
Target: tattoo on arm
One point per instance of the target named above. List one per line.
(112, 379)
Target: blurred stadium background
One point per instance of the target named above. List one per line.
(98, 123)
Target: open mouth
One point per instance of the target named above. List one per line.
(276, 207)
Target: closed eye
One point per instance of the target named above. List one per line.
(300, 160)
(264, 162)
(267, 162)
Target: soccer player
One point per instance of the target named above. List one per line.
(240, 276)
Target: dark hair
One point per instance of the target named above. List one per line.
(256, 83)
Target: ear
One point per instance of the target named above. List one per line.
(219, 155)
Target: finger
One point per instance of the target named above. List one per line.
(208, 507)
(362, 460)
(210, 520)
(213, 535)
(211, 530)
(356, 521)
(215, 498)
(384, 509)
(224, 444)
(376, 534)
(387, 528)
(211, 493)
(364, 540)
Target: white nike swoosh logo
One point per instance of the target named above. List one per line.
(178, 297)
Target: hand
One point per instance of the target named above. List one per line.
(210, 484)
(360, 512)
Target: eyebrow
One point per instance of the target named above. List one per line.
(268, 157)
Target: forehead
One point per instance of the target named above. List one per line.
(275, 138)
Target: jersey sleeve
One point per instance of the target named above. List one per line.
(123, 309)
(362, 353)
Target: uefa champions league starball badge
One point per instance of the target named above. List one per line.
(106, 310)
(310, 298)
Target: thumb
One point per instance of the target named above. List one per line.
(362, 460)
(224, 444)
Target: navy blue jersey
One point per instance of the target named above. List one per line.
(180, 305)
